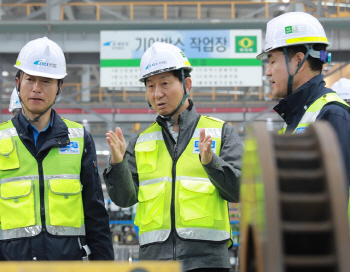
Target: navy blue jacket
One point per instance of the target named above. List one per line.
(46, 246)
(293, 107)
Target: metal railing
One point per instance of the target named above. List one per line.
(100, 94)
(342, 6)
(127, 95)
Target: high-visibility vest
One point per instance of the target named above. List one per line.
(313, 111)
(311, 114)
(23, 178)
(179, 186)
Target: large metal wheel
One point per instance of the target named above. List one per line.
(293, 196)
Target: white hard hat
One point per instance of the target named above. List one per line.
(292, 28)
(14, 101)
(342, 87)
(42, 57)
(160, 58)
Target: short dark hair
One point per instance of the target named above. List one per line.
(315, 64)
(177, 74)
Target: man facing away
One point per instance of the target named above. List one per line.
(182, 170)
(51, 201)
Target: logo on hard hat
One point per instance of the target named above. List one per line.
(43, 63)
(155, 64)
(246, 44)
(295, 29)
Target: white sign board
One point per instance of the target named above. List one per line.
(218, 57)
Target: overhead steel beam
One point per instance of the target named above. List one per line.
(13, 7)
(257, 11)
(76, 26)
(45, 9)
(107, 10)
(69, 12)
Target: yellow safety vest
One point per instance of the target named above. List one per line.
(181, 186)
(20, 204)
(313, 111)
(311, 114)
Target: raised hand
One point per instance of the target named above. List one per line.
(205, 147)
(117, 145)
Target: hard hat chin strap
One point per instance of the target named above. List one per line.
(170, 116)
(291, 76)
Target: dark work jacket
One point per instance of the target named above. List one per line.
(293, 107)
(46, 246)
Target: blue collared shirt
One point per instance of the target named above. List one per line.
(38, 137)
(36, 132)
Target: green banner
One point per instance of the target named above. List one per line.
(194, 62)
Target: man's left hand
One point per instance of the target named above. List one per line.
(205, 147)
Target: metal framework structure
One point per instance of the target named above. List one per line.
(76, 26)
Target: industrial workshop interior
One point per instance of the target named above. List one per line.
(274, 227)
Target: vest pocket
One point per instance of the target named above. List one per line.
(146, 156)
(65, 202)
(150, 210)
(8, 154)
(197, 201)
(17, 204)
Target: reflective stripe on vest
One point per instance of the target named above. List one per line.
(200, 212)
(313, 111)
(20, 205)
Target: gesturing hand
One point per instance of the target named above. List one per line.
(117, 145)
(205, 147)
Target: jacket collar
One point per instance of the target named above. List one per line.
(58, 126)
(186, 118)
(301, 99)
(27, 126)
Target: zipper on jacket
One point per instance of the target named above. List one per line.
(172, 208)
(42, 205)
(42, 193)
(173, 228)
(173, 202)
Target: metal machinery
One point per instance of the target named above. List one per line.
(293, 213)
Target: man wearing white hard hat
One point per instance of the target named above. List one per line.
(51, 201)
(181, 170)
(295, 46)
(15, 105)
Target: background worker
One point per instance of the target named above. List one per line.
(51, 201)
(342, 88)
(15, 105)
(295, 46)
(181, 170)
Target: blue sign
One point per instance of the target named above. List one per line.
(196, 147)
(72, 148)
